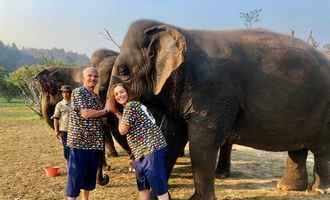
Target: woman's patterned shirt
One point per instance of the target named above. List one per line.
(144, 136)
(85, 133)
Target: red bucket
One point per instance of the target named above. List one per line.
(52, 171)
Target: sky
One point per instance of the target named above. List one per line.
(78, 25)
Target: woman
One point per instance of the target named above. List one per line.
(146, 141)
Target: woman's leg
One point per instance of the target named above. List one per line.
(164, 196)
(144, 195)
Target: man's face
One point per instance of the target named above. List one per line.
(90, 78)
(66, 95)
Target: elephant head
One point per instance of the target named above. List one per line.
(103, 60)
(50, 81)
(150, 54)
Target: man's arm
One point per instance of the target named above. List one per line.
(57, 127)
(90, 113)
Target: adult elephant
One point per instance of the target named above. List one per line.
(251, 87)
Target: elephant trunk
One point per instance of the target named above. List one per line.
(47, 109)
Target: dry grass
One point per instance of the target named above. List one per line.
(27, 145)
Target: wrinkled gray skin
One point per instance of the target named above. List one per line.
(250, 87)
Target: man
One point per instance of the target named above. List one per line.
(85, 137)
(61, 118)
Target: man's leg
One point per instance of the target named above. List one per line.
(74, 177)
(85, 194)
(91, 166)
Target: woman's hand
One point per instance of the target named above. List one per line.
(110, 105)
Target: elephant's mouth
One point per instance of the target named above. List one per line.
(117, 79)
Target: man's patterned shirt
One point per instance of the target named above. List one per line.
(85, 133)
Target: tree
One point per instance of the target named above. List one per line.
(2, 78)
(327, 47)
(8, 89)
(311, 40)
(23, 78)
(251, 17)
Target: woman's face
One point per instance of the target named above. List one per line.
(121, 95)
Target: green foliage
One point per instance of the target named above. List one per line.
(24, 75)
(251, 17)
(24, 79)
(327, 47)
(8, 89)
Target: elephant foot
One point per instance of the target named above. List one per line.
(112, 154)
(181, 154)
(322, 191)
(104, 180)
(222, 173)
(295, 178)
(321, 182)
(196, 196)
(107, 168)
(224, 160)
(287, 184)
(320, 185)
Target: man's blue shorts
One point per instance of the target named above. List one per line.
(82, 169)
(151, 172)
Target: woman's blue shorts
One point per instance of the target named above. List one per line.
(151, 172)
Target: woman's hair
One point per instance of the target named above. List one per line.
(112, 96)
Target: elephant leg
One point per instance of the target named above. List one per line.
(173, 155)
(295, 177)
(102, 179)
(224, 159)
(321, 182)
(203, 153)
(110, 146)
(121, 139)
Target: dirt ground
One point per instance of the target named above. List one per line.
(27, 145)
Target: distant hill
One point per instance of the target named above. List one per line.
(11, 57)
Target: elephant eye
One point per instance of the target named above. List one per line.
(123, 70)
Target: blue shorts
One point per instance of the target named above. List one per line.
(82, 169)
(151, 172)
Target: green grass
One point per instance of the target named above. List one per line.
(15, 111)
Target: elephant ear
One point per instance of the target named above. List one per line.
(167, 49)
